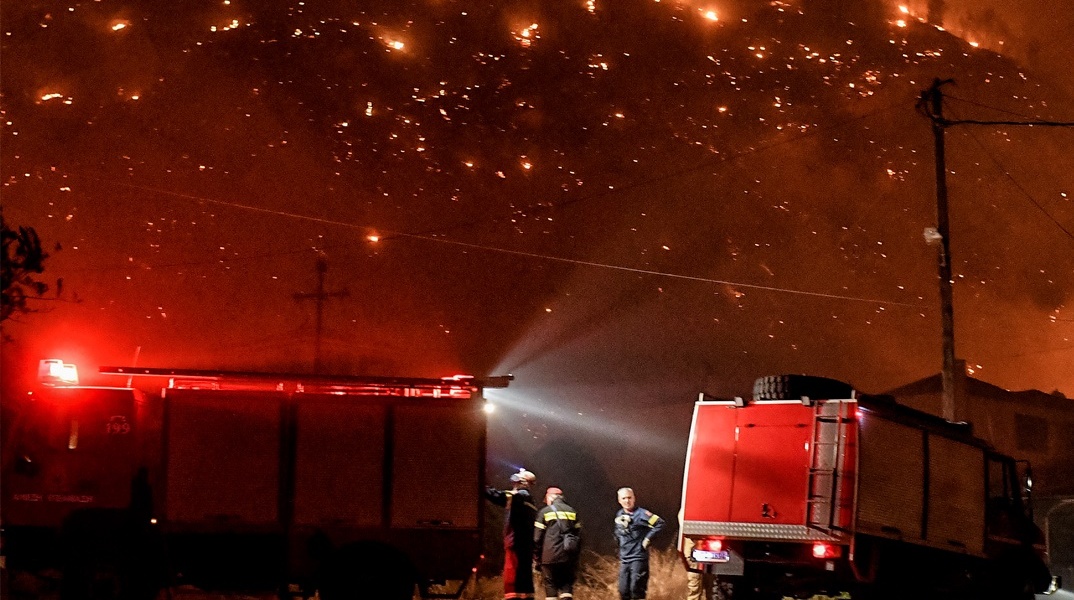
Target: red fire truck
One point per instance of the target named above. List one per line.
(353, 487)
(811, 488)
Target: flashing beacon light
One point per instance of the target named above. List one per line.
(54, 372)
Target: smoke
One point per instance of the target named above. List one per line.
(1035, 33)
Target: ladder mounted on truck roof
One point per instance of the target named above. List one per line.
(458, 386)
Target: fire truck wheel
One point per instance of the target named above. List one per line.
(107, 557)
(794, 387)
(367, 570)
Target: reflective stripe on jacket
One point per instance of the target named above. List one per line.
(554, 524)
(632, 529)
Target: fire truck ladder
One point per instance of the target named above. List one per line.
(826, 456)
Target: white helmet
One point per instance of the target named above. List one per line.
(524, 477)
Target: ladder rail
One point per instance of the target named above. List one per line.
(823, 449)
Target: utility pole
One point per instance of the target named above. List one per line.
(932, 102)
(319, 297)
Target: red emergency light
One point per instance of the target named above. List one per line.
(823, 550)
(53, 371)
(710, 550)
(710, 544)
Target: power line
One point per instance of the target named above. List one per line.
(552, 205)
(430, 235)
(930, 104)
(1006, 173)
(433, 238)
(661, 273)
(1027, 120)
(708, 163)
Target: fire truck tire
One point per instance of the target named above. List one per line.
(794, 387)
(367, 570)
(107, 557)
(1025, 576)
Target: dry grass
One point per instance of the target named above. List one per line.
(598, 579)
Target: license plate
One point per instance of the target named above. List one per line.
(711, 556)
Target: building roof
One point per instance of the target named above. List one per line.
(982, 389)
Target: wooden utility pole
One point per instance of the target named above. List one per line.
(319, 297)
(932, 102)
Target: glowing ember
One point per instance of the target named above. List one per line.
(527, 36)
(215, 139)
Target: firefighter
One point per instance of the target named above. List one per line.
(634, 531)
(557, 540)
(517, 534)
(699, 584)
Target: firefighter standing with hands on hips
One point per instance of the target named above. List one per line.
(634, 530)
(557, 539)
(517, 534)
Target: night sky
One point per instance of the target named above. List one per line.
(620, 202)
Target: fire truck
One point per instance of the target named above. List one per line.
(347, 487)
(811, 488)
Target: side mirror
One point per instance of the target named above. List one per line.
(1025, 480)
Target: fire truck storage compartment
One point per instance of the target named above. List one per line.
(771, 464)
(710, 464)
(956, 487)
(749, 465)
(428, 487)
(339, 460)
(912, 481)
(222, 456)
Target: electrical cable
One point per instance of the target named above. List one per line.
(432, 235)
(433, 238)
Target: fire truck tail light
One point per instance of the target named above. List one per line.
(712, 545)
(53, 371)
(822, 550)
(710, 550)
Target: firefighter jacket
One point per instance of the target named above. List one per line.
(631, 531)
(518, 520)
(556, 534)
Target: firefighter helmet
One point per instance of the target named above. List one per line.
(524, 477)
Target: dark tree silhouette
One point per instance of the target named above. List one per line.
(23, 259)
